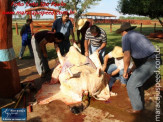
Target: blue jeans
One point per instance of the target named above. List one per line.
(92, 49)
(23, 49)
(64, 46)
(136, 81)
(119, 76)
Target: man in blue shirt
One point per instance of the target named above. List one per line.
(142, 51)
(64, 25)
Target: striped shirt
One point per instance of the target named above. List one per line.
(98, 40)
(137, 44)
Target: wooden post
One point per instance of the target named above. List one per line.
(16, 27)
(55, 15)
(74, 26)
(140, 27)
(154, 27)
(31, 25)
(110, 27)
(9, 76)
(30, 15)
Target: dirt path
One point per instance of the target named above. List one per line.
(113, 110)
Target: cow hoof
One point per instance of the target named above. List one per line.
(76, 109)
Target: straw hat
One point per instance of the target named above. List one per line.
(81, 23)
(125, 26)
(117, 52)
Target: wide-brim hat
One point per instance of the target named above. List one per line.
(126, 26)
(117, 52)
(81, 23)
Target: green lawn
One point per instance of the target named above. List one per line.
(113, 39)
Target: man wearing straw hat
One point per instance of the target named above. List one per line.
(98, 40)
(83, 25)
(116, 70)
(142, 51)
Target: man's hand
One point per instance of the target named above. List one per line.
(103, 67)
(86, 53)
(72, 41)
(125, 75)
(57, 49)
(98, 50)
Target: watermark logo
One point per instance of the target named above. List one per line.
(19, 114)
(158, 85)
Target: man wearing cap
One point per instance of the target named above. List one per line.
(116, 70)
(98, 40)
(64, 25)
(142, 51)
(83, 25)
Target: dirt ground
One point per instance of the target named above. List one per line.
(113, 110)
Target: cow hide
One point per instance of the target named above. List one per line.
(75, 74)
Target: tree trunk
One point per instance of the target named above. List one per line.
(160, 21)
(9, 76)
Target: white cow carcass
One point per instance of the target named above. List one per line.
(76, 74)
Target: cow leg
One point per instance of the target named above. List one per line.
(76, 109)
(98, 72)
(60, 57)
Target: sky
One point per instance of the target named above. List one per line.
(104, 6)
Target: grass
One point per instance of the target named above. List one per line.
(113, 39)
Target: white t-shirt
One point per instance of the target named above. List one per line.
(120, 63)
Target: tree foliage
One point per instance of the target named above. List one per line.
(150, 8)
(20, 16)
(79, 6)
(135, 17)
(37, 16)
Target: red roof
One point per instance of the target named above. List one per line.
(98, 14)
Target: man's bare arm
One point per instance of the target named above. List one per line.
(106, 58)
(126, 59)
(86, 47)
(102, 46)
(43, 47)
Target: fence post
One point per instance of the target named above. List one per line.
(110, 27)
(16, 27)
(154, 27)
(55, 15)
(140, 27)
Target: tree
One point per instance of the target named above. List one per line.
(37, 16)
(79, 6)
(150, 8)
(26, 16)
(20, 16)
